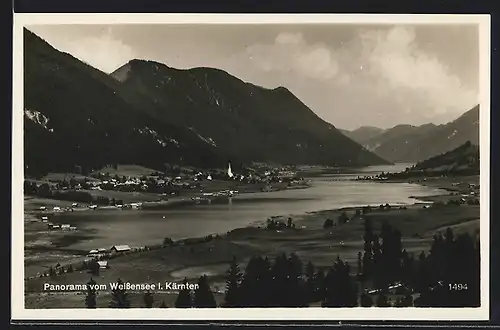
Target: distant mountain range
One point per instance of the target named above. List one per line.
(407, 143)
(146, 113)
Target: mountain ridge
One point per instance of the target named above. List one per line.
(258, 117)
(79, 116)
(409, 143)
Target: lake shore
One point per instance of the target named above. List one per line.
(193, 257)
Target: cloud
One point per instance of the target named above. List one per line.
(103, 51)
(394, 58)
(386, 68)
(291, 53)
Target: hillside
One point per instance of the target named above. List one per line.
(78, 116)
(463, 160)
(254, 123)
(407, 143)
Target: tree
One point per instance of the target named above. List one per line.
(203, 296)
(366, 300)
(360, 263)
(406, 301)
(94, 267)
(312, 285)
(256, 287)
(233, 282)
(90, 298)
(328, 223)
(382, 300)
(52, 272)
(148, 299)
(341, 290)
(184, 299)
(167, 241)
(343, 218)
(119, 297)
(368, 251)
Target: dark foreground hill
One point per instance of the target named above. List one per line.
(149, 114)
(407, 143)
(78, 116)
(254, 123)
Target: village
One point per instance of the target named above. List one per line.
(96, 189)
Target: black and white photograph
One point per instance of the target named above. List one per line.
(251, 167)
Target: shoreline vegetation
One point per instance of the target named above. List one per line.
(316, 237)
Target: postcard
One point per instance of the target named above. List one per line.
(250, 167)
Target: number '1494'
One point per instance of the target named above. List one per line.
(457, 286)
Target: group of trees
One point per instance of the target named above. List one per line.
(277, 224)
(46, 191)
(387, 275)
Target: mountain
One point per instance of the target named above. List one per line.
(364, 134)
(254, 123)
(407, 143)
(76, 116)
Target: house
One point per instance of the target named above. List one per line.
(102, 250)
(45, 218)
(43, 208)
(103, 264)
(74, 205)
(92, 207)
(57, 209)
(92, 253)
(55, 227)
(65, 226)
(72, 228)
(119, 249)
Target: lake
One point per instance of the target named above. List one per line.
(142, 227)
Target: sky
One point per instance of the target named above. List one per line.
(350, 75)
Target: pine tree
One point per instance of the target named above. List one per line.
(368, 251)
(341, 289)
(94, 267)
(382, 300)
(360, 263)
(119, 297)
(311, 282)
(233, 283)
(366, 300)
(256, 288)
(90, 298)
(203, 296)
(406, 301)
(148, 299)
(184, 299)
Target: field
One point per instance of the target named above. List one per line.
(308, 240)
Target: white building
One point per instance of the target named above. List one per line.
(229, 171)
(119, 249)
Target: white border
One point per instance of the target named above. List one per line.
(423, 314)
